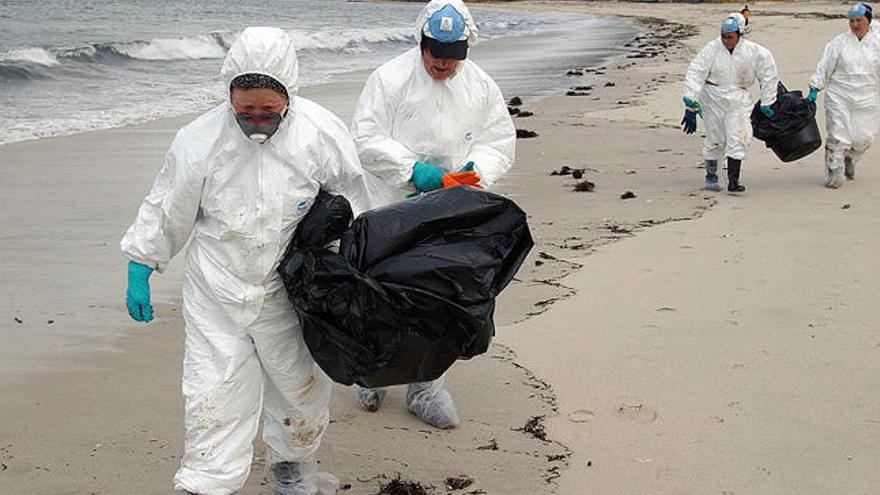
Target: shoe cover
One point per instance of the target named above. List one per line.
(370, 399)
(432, 404)
(832, 178)
(302, 478)
(712, 186)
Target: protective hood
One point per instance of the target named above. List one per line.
(740, 19)
(435, 6)
(263, 50)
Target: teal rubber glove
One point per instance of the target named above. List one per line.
(693, 106)
(767, 111)
(137, 297)
(813, 94)
(427, 176)
(468, 167)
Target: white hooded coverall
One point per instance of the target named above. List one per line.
(238, 203)
(720, 81)
(849, 71)
(404, 116)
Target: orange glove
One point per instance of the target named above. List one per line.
(452, 179)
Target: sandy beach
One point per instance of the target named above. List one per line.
(678, 342)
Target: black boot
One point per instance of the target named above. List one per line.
(733, 168)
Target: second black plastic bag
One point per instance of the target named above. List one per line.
(792, 133)
(413, 287)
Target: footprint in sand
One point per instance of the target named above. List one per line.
(581, 416)
(636, 411)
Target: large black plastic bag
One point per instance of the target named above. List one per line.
(792, 133)
(413, 288)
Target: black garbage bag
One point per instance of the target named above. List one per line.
(792, 133)
(413, 287)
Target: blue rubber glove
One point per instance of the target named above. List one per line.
(767, 111)
(813, 94)
(689, 122)
(693, 106)
(427, 176)
(137, 297)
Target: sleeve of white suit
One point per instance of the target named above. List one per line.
(167, 216)
(494, 147)
(698, 72)
(345, 176)
(768, 78)
(371, 126)
(825, 67)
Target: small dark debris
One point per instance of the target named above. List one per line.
(345, 486)
(582, 88)
(575, 72)
(577, 173)
(524, 114)
(577, 93)
(846, 206)
(628, 195)
(398, 487)
(458, 482)
(525, 134)
(493, 444)
(584, 186)
(535, 428)
(610, 84)
(515, 101)
(537, 263)
(556, 457)
(50, 321)
(622, 102)
(667, 150)
(563, 170)
(589, 463)
(3, 467)
(513, 110)
(17, 320)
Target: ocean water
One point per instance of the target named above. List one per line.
(73, 66)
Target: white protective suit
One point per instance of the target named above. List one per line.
(848, 71)
(720, 81)
(238, 202)
(404, 116)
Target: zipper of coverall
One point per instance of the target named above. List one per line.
(439, 107)
(262, 206)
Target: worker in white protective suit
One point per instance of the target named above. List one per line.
(849, 71)
(716, 86)
(235, 183)
(427, 119)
